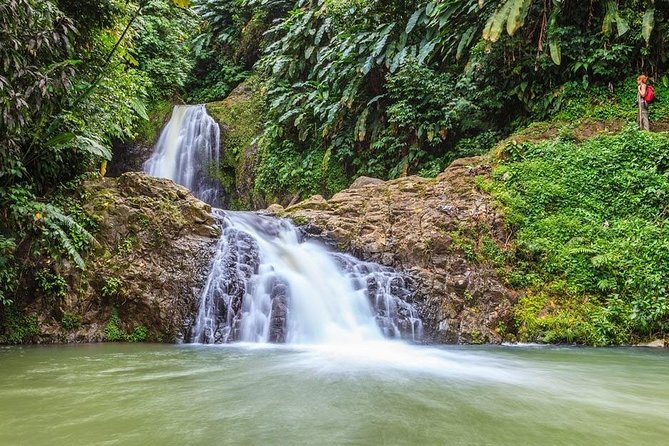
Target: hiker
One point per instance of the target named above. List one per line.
(642, 99)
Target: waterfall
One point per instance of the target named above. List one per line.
(267, 284)
(188, 148)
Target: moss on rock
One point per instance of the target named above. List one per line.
(240, 117)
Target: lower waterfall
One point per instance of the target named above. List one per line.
(267, 284)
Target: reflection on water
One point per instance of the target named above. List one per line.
(372, 393)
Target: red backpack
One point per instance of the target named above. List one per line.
(650, 94)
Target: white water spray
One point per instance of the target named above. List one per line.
(268, 285)
(187, 150)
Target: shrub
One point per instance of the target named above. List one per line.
(591, 226)
(18, 327)
(113, 331)
(70, 321)
(53, 285)
(139, 334)
(111, 287)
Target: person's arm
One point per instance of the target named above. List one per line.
(642, 90)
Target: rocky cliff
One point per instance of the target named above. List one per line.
(155, 244)
(435, 230)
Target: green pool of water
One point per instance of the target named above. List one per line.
(374, 394)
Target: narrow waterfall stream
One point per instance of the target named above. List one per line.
(268, 284)
(187, 150)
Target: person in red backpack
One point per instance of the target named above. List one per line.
(645, 94)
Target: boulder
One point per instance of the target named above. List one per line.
(364, 181)
(155, 242)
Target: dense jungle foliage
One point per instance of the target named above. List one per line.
(349, 88)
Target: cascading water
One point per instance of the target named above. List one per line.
(187, 148)
(266, 283)
(269, 285)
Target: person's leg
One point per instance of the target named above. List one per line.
(645, 123)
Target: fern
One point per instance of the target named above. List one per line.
(602, 260)
(57, 221)
(582, 250)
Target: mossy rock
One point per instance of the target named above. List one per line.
(240, 118)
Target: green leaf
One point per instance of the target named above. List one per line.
(93, 146)
(367, 66)
(322, 30)
(517, 15)
(609, 16)
(413, 20)
(398, 60)
(493, 29)
(69, 247)
(361, 126)
(465, 40)
(426, 50)
(61, 139)
(556, 52)
(381, 44)
(139, 108)
(623, 27)
(648, 24)
(325, 164)
(131, 60)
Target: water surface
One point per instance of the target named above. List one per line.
(374, 393)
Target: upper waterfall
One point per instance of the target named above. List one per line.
(187, 151)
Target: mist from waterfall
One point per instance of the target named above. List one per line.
(187, 151)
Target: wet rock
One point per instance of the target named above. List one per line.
(239, 263)
(279, 313)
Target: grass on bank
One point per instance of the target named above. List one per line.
(591, 243)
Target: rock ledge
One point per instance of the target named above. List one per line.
(430, 229)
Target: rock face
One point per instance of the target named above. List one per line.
(155, 244)
(240, 117)
(432, 229)
(129, 157)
